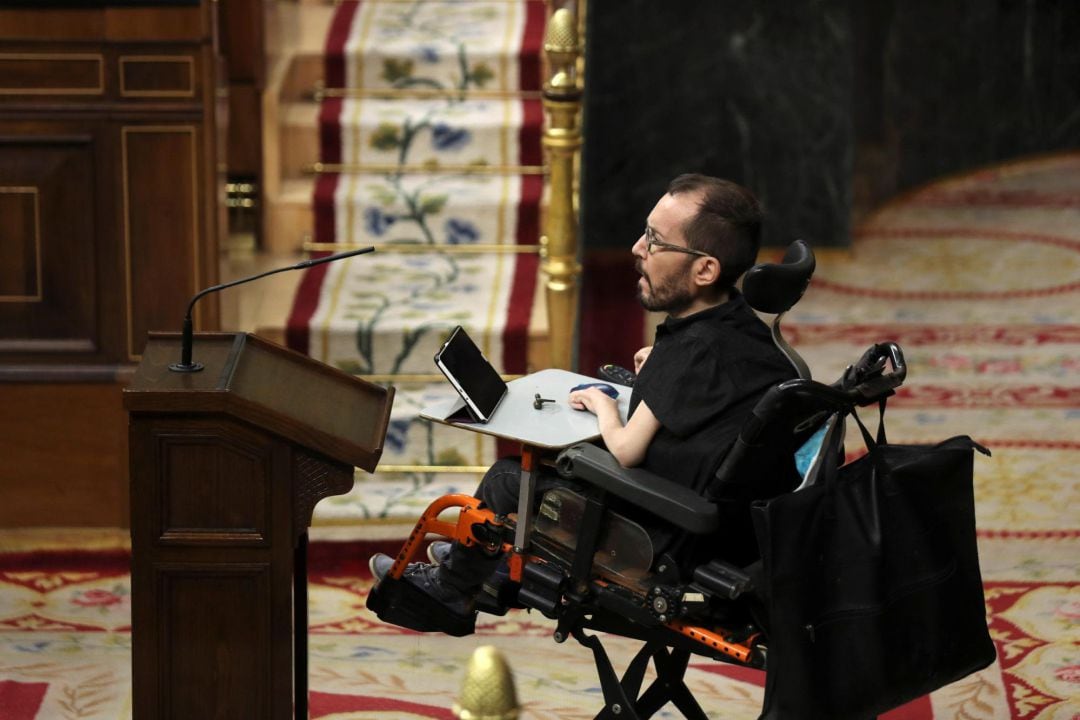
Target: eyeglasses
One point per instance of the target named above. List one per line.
(651, 243)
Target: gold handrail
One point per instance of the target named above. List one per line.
(562, 146)
(320, 92)
(423, 248)
(393, 169)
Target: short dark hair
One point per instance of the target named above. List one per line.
(727, 224)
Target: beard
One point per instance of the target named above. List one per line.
(670, 295)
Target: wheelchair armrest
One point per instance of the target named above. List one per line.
(670, 501)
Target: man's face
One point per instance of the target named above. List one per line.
(665, 285)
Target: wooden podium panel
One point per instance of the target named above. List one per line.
(227, 465)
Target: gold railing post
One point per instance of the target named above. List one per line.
(562, 143)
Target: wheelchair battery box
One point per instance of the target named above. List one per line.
(723, 579)
(541, 588)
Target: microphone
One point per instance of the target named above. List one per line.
(185, 364)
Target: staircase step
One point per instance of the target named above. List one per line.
(290, 215)
(448, 45)
(421, 132)
(503, 132)
(389, 314)
(428, 210)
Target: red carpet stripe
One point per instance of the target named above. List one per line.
(324, 207)
(528, 214)
(331, 704)
(105, 562)
(914, 335)
(1025, 444)
(936, 295)
(334, 58)
(612, 321)
(306, 300)
(519, 310)
(1028, 534)
(532, 38)
(21, 701)
(532, 125)
(967, 233)
(330, 130)
(997, 198)
(1001, 396)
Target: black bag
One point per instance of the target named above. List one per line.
(871, 581)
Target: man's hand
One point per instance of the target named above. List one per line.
(592, 399)
(640, 357)
(627, 443)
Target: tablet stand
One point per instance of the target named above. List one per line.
(553, 426)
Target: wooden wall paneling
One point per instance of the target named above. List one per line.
(245, 131)
(63, 455)
(162, 229)
(215, 175)
(162, 24)
(158, 75)
(108, 225)
(48, 241)
(20, 243)
(52, 73)
(243, 46)
(58, 24)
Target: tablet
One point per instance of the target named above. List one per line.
(476, 381)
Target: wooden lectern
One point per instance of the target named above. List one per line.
(227, 465)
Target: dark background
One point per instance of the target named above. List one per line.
(824, 108)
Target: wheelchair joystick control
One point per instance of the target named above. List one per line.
(538, 402)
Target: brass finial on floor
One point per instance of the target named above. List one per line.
(488, 691)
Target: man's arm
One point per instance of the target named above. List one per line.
(627, 443)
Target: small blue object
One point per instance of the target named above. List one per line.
(804, 456)
(603, 387)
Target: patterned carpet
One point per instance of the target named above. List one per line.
(977, 277)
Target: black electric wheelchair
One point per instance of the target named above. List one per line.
(590, 568)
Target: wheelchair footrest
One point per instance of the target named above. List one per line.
(399, 603)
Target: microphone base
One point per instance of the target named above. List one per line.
(189, 368)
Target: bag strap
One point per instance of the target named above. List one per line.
(871, 443)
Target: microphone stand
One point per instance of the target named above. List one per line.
(186, 365)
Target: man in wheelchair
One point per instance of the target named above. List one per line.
(650, 536)
(712, 360)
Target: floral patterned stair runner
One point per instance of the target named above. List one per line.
(433, 139)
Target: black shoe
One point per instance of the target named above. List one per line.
(379, 565)
(421, 600)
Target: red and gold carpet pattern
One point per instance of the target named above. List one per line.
(978, 278)
(65, 650)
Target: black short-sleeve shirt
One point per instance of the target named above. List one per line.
(704, 375)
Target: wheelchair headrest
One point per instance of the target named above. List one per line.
(775, 287)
